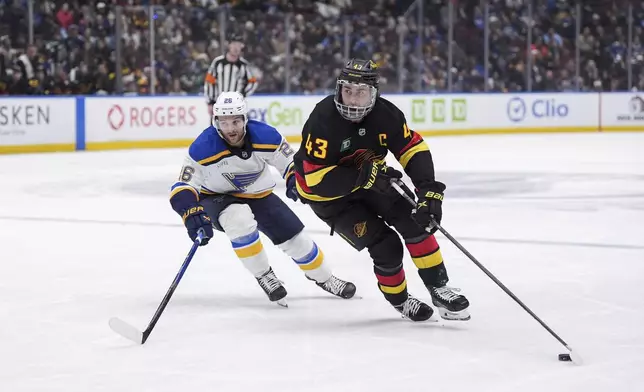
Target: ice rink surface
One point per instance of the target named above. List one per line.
(558, 218)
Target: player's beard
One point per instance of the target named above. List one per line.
(235, 139)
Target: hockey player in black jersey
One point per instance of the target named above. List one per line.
(341, 173)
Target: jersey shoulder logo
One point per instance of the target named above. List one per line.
(346, 144)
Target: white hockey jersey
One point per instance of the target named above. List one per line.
(214, 167)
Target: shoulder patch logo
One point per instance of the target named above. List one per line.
(360, 229)
(346, 144)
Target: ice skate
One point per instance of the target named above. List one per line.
(414, 309)
(273, 288)
(338, 287)
(450, 304)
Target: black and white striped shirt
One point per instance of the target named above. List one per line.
(27, 68)
(224, 76)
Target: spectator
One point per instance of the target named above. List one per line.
(80, 39)
(64, 16)
(177, 89)
(26, 67)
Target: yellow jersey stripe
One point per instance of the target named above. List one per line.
(312, 197)
(406, 157)
(252, 195)
(214, 157)
(312, 179)
(265, 146)
(241, 195)
(184, 188)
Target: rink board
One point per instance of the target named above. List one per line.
(38, 124)
(41, 124)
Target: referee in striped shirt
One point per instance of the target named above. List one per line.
(229, 72)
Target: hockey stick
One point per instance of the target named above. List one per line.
(129, 332)
(397, 185)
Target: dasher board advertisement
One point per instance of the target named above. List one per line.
(37, 121)
(123, 119)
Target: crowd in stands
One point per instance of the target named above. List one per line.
(74, 48)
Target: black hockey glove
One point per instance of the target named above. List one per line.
(377, 177)
(291, 189)
(430, 201)
(196, 218)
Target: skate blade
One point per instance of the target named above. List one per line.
(354, 296)
(431, 319)
(282, 302)
(463, 315)
(434, 318)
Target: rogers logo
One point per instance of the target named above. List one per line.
(115, 117)
(151, 116)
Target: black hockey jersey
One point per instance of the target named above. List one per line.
(333, 149)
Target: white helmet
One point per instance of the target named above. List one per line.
(229, 103)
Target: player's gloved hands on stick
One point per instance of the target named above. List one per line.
(196, 218)
(377, 177)
(430, 205)
(291, 190)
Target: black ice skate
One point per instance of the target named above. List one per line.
(338, 287)
(273, 287)
(414, 309)
(451, 306)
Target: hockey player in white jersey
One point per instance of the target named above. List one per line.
(225, 183)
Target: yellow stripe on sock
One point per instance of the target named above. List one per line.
(428, 261)
(394, 290)
(250, 251)
(316, 263)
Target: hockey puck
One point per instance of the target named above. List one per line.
(565, 357)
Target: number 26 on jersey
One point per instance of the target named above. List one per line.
(318, 147)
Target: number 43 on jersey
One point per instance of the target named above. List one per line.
(319, 149)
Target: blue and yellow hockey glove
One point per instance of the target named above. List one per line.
(196, 218)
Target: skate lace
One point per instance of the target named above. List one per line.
(447, 293)
(334, 285)
(411, 306)
(269, 282)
